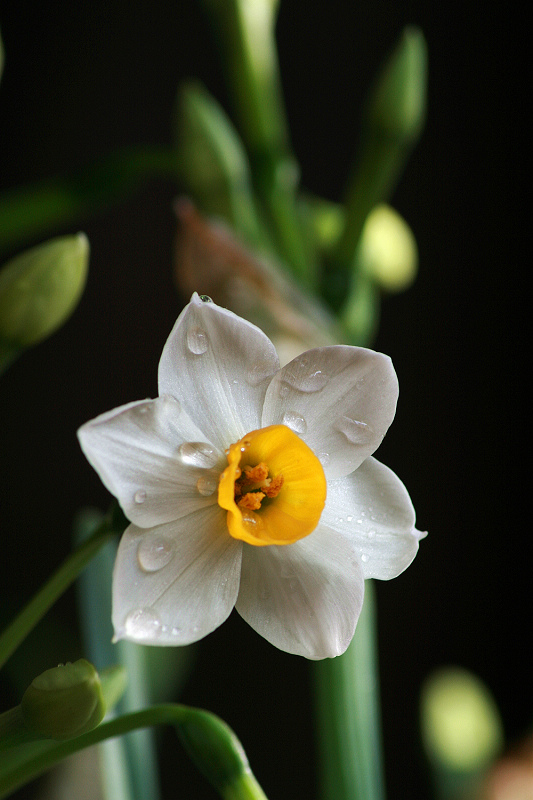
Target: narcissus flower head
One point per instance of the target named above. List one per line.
(253, 487)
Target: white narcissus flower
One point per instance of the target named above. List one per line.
(253, 487)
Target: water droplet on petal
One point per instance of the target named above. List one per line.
(305, 379)
(349, 518)
(140, 496)
(355, 431)
(176, 631)
(206, 485)
(205, 298)
(324, 458)
(198, 454)
(295, 422)
(154, 552)
(143, 624)
(365, 557)
(197, 341)
(259, 373)
(284, 390)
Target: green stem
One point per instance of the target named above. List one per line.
(228, 769)
(348, 713)
(31, 211)
(66, 574)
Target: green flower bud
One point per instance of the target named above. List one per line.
(387, 250)
(40, 288)
(461, 725)
(64, 702)
(218, 754)
(398, 103)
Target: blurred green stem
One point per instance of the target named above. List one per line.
(246, 32)
(30, 211)
(348, 713)
(67, 573)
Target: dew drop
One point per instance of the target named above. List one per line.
(349, 518)
(206, 485)
(303, 380)
(259, 373)
(197, 341)
(144, 623)
(355, 431)
(284, 390)
(154, 552)
(295, 422)
(196, 629)
(176, 631)
(324, 458)
(371, 534)
(139, 496)
(365, 557)
(198, 454)
(205, 298)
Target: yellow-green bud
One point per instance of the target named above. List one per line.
(387, 250)
(64, 702)
(40, 288)
(461, 725)
(397, 105)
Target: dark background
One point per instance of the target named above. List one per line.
(80, 81)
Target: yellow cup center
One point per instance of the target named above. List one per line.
(274, 487)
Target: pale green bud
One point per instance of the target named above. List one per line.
(40, 288)
(397, 104)
(64, 702)
(387, 250)
(461, 725)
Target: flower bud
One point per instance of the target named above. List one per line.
(387, 250)
(397, 104)
(64, 702)
(461, 726)
(40, 288)
(218, 754)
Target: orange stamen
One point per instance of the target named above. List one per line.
(251, 500)
(274, 486)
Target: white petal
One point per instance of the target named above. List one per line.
(143, 454)
(340, 399)
(176, 583)
(371, 507)
(304, 598)
(218, 366)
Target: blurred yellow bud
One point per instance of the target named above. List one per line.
(40, 288)
(64, 702)
(387, 252)
(461, 725)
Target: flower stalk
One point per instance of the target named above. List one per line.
(64, 576)
(348, 709)
(213, 744)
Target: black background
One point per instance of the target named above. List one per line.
(80, 81)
